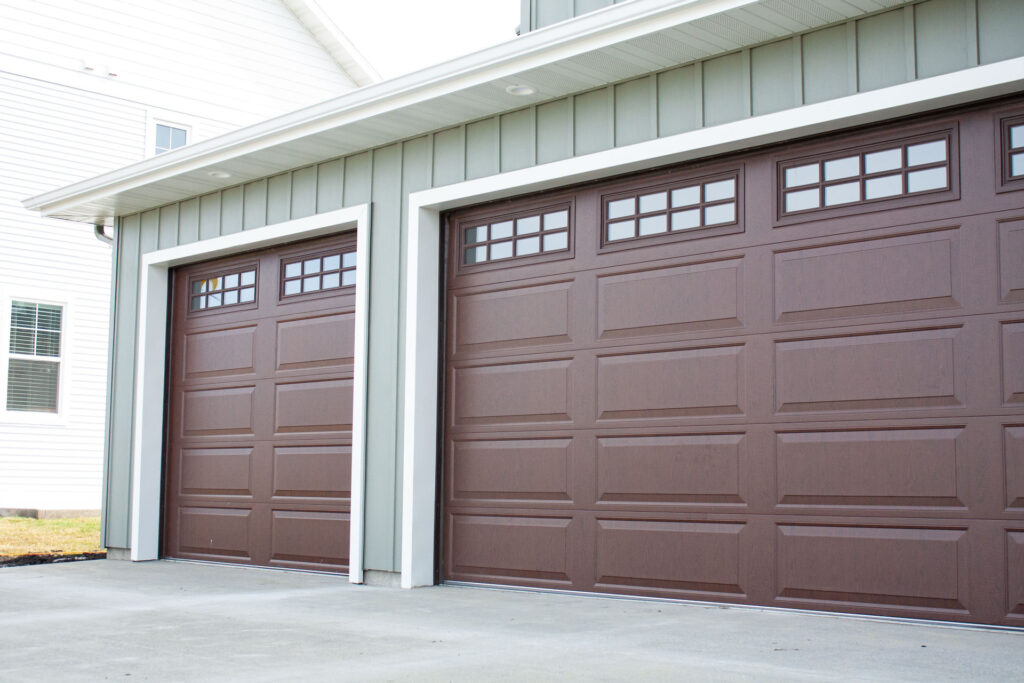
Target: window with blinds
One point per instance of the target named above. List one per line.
(33, 364)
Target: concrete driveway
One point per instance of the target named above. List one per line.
(156, 621)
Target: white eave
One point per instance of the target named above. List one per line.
(337, 44)
(607, 46)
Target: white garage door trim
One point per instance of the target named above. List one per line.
(422, 275)
(148, 420)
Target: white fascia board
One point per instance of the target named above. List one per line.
(365, 73)
(422, 278)
(610, 26)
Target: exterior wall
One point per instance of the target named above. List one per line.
(742, 84)
(62, 124)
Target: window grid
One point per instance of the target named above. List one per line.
(234, 288)
(169, 137)
(33, 371)
(683, 206)
(1013, 146)
(538, 233)
(318, 273)
(883, 172)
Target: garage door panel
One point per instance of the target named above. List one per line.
(1013, 460)
(890, 468)
(313, 472)
(325, 341)
(215, 532)
(893, 566)
(873, 276)
(1011, 261)
(216, 472)
(648, 301)
(881, 370)
(676, 383)
(218, 412)
(223, 353)
(1013, 362)
(519, 547)
(1015, 572)
(309, 539)
(510, 471)
(670, 470)
(682, 556)
(513, 318)
(519, 392)
(313, 407)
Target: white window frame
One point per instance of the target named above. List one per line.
(153, 118)
(37, 296)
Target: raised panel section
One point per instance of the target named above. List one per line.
(701, 557)
(681, 383)
(679, 299)
(214, 531)
(893, 275)
(219, 353)
(682, 469)
(512, 318)
(312, 471)
(1015, 572)
(1013, 458)
(216, 471)
(309, 538)
(891, 468)
(324, 406)
(536, 470)
(1013, 362)
(912, 369)
(1011, 261)
(320, 342)
(213, 412)
(490, 547)
(516, 392)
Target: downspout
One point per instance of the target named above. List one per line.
(100, 231)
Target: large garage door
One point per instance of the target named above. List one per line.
(259, 427)
(790, 378)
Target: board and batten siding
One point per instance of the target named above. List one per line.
(771, 77)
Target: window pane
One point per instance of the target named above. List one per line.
(348, 260)
(621, 207)
(178, 136)
(558, 219)
(503, 229)
(686, 196)
(720, 213)
(478, 234)
(311, 284)
(198, 302)
(886, 186)
(526, 226)
(653, 202)
(652, 225)
(163, 136)
(842, 168)
(842, 194)
(684, 220)
(527, 245)
(723, 189)
(49, 317)
(1016, 137)
(311, 266)
(249, 277)
(804, 199)
(928, 179)
(1017, 165)
(231, 281)
(23, 314)
(32, 385)
(501, 250)
(476, 254)
(348, 278)
(556, 241)
(23, 341)
(249, 293)
(621, 230)
(213, 284)
(231, 298)
(926, 153)
(885, 160)
(801, 175)
(332, 280)
(332, 262)
(213, 300)
(48, 344)
(290, 287)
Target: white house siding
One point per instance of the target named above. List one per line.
(209, 66)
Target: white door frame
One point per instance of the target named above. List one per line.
(422, 272)
(148, 440)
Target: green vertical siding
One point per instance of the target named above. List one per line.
(934, 37)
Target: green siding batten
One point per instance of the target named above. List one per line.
(918, 40)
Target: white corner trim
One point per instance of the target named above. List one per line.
(422, 276)
(148, 418)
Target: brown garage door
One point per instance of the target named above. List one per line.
(259, 429)
(790, 378)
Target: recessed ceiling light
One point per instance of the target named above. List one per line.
(218, 174)
(520, 90)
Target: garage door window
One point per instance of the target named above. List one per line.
(683, 206)
(232, 288)
(513, 237)
(1012, 134)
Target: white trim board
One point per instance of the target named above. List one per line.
(422, 274)
(148, 440)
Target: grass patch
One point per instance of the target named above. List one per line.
(24, 536)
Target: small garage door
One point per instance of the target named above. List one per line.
(788, 378)
(259, 426)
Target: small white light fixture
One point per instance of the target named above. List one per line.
(218, 174)
(520, 90)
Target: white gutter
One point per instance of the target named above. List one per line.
(593, 31)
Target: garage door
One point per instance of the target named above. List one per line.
(790, 378)
(259, 426)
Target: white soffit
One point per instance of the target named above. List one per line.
(606, 46)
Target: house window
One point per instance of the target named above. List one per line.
(516, 237)
(169, 137)
(34, 357)
(684, 206)
(315, 273)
